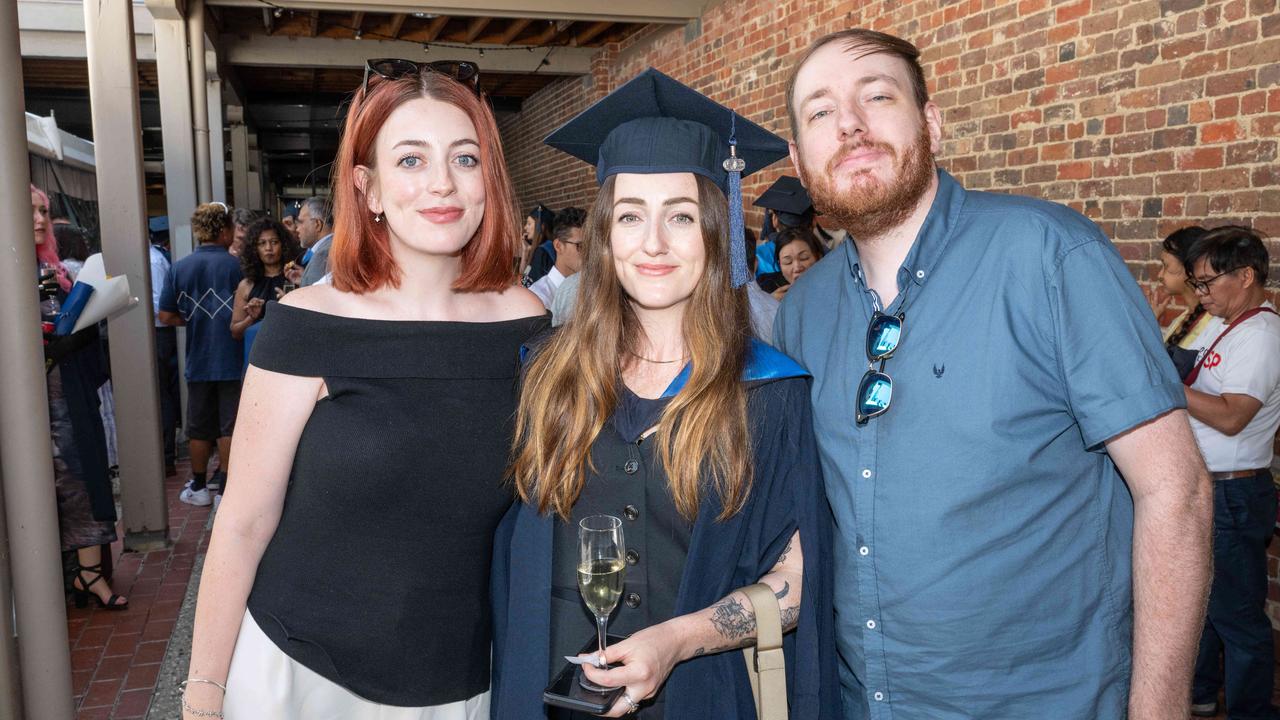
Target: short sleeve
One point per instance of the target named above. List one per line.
(168, 293)
(1251, 362)
(1115, 369)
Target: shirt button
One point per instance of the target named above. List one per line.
(631, 512)
(919, 274)
(879, 696)
(633, 557)
(871, 624)
(866, 472)
(633, 600)
(864, 550)
(630, 467)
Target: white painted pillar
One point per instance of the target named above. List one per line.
(217, 143)
(175, 131)
(26, 467)
(117, 134)
(199, 99)
(239, 157)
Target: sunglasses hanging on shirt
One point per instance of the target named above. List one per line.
(875, 390)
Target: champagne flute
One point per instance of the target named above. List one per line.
(601, 565)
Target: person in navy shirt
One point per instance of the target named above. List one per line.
(199, 292)
(1023, 520)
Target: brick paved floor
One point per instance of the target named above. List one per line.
(115, 656)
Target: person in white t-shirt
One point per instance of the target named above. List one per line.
(1234, 401)
(567, 239)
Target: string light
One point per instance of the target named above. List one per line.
(278, 11)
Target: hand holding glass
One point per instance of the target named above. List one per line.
(601, 565)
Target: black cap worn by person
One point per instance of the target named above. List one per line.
(654, 124)
(788, 200)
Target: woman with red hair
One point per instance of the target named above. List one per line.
(75, 369)
(348, 573)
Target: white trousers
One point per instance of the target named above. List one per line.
(264, 683)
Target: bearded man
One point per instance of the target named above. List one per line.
(1023, 518)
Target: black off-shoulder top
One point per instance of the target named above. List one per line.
(377, 577)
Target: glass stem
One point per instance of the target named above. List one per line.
(601, 621)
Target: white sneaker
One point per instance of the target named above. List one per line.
(195, 497)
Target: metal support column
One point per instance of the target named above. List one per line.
(175, 126)
(117, 134)
(199, 99)
(26, 452)
(10, 685)
(239, 157)
(217, 142)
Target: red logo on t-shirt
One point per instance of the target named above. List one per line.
(1212, 360)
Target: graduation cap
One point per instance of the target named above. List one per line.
(654, 124)
(788, 200)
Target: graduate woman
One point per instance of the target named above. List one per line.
(654, 405)
(348, 574)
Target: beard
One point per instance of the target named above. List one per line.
(869, 210)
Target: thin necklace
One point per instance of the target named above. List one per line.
(656, 362)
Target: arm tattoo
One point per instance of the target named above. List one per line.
(785, 552)
(732, 619)
(789, 617)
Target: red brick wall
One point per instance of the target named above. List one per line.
(1145, 115)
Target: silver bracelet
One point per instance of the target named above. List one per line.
(186, 707)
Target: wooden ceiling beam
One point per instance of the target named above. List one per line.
(437, 24)
(591, 32)
(476, 27)
(513, 30)
(313, 23)
(397, 22)
(546, 35)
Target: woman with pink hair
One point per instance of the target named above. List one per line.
(75, 370)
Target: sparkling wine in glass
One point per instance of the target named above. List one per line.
(601, 566)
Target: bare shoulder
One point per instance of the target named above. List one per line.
(319, 298)
(513, 303)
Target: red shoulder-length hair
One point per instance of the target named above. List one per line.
(360, 255)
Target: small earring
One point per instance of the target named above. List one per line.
(378, 218)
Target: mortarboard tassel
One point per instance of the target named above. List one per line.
(739, 275)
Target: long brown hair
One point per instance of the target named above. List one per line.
(572, 384)
(360, 254)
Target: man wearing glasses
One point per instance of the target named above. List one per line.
(1023, 518)
(1233, 396)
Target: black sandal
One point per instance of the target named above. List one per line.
(83, 593)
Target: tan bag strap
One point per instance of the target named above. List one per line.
(766, 664)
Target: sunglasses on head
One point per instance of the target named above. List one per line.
(464, 72)
(875, 390)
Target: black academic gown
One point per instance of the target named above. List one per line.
(787, 494)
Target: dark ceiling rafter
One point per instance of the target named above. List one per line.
(437, 24)
(313, 23)
(589, 34)
(397, 22)
(474, 28)
(514, 28)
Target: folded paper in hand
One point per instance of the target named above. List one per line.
(110, 295)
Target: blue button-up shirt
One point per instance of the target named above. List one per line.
(984, 535)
